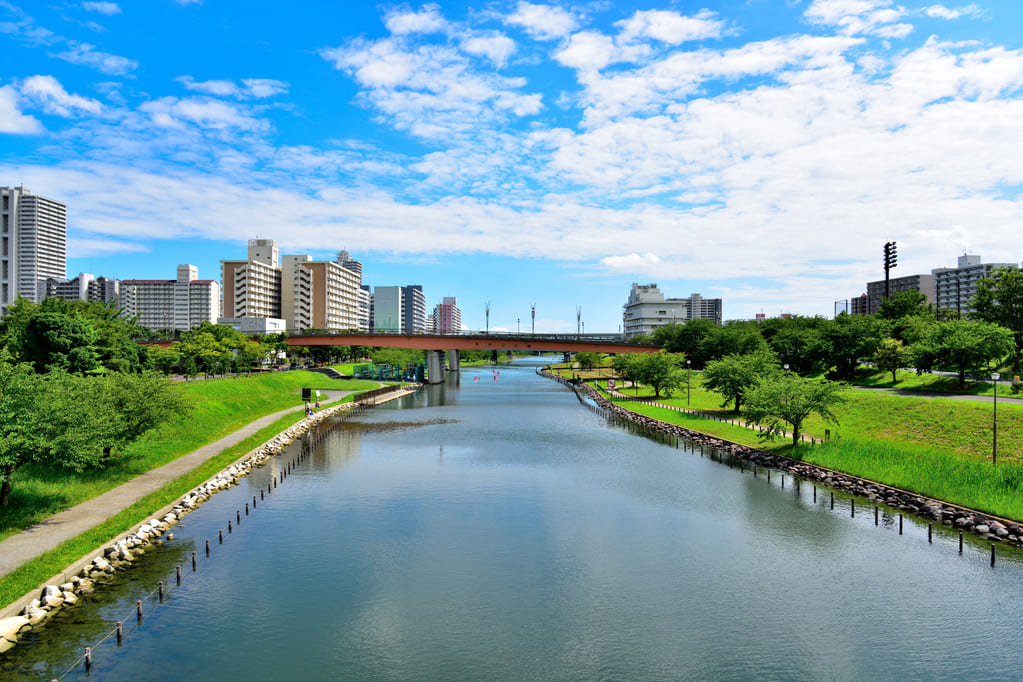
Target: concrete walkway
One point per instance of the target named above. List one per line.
(70, 523)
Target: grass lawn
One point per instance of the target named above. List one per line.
(220, 407)
(938, 447)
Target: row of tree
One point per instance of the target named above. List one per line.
(905, 333)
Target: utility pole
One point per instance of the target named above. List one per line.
(532, 311)
(578, 321)
(487, 307)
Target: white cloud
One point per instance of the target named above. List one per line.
(543, 22)
(495, 46)
(861, 17)
(670, 27)
(11, 119)
(430, 90)
(48, 93)
(257, 88)
(202, 111)
(107, 8)
(85, 54)
(405, 22)
(942, 12)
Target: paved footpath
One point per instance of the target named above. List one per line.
(70, 523)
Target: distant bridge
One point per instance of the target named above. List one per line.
(439, 345)
(564, 343)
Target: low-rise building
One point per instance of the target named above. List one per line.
(647, 309)
(165, 304)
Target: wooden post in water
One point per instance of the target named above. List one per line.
(960, 543)
(992, 555)
(138, 610)
(930, 531)
(900, 524)
(120, 632)
(88, 659)
(220, 536)
(177, 571)
(852, 507)
(815, 494)
(229, 527)
(193, 560)
(875, 514)
(832, 499)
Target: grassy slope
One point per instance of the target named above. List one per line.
(221, 407)
(937, 447)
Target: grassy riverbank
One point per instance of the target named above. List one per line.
(938, 447)
(32, 574)
(219, 407)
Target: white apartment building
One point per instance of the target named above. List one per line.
(954, 288)
(335, 295)
(181, 304)
(647, 309)
(84, 287)
(33, 244)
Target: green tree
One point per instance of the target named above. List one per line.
(685, 338)
(732, 376)
(587, 360)
(788, 399)
(734, 338)
(962, 345)
(796, 341)
(625, 366)
(21, 391)
(848, 339)
(661, 371)
(905, 304)
(891, 356)
(999, 300)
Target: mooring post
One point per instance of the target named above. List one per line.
(992, 555)
(783, 481)
(832, 499)
(930, 530)
(960, 543)
(193, 557)
(900, 524)
(852, 507)
(229, 530)
(815, 494)
(220, 536)
(138, 610)
(246, 508)
(177, 571)
(120, 633)
(875, 514)
(88, 659)
(238, 516)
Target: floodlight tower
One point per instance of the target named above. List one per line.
(890, 261)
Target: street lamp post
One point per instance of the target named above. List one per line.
(689, 386)
(518, 325)
(994, 426)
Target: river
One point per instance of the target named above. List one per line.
(497, 529)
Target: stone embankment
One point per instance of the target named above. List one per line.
(960, 518)
(128, 549)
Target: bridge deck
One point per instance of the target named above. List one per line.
(538, 342)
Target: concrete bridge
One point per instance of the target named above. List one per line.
(436, 345)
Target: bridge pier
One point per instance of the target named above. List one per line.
(435, 366)
(454, 360)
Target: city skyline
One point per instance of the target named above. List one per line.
(759, 151)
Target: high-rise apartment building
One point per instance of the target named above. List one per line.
(182, 303)
(414, 319)
(295, 288)
(388, 309)
(447, 318)
(33, 244)
(252, 288)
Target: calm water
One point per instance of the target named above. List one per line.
(499, 530)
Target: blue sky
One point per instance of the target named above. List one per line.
(515, 152)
